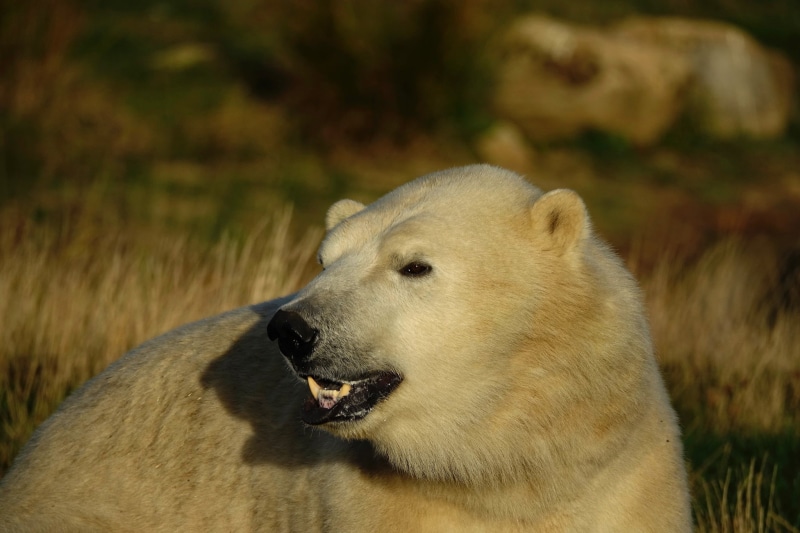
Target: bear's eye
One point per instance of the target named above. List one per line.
(415, 269)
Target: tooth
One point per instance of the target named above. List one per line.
(345, 390)
(315, 388)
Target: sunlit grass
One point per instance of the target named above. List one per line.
(741, 502)
(87, 101)
(730, 349)
(75, 297)
(76, 294)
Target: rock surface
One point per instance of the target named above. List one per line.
(738, 87)
(556, 80)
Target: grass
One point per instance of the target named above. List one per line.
(739, 503)
(728, 342)
(143, 147)
(78, 291)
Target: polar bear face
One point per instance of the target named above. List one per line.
(440, 308)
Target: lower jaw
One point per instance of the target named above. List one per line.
(314, 415)
(349, 430)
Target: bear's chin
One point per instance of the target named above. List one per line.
(327, 403)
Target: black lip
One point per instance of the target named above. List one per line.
(364, 396)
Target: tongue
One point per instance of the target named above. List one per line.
(327, 398)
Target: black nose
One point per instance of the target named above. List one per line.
(296, 338)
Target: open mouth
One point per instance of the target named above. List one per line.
(333, 401)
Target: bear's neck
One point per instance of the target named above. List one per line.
(526, 485)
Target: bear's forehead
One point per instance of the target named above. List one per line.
(473, 187)
(445, 210)
(376, 230)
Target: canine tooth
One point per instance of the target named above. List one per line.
(345, 390)
(315, 388)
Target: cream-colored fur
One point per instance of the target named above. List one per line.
(530, 400)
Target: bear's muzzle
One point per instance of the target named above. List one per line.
(296, 338)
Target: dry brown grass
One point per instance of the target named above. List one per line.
(743, 506)
(77, 293)
(75, 297)
(729, 346)
(730, 349)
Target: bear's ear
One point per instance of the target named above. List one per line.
(560, 217)
(340, 211)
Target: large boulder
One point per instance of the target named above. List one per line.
(738, 87)
(556, 80)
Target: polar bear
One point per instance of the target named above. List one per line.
(471, 358)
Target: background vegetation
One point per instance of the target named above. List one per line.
(151, 154)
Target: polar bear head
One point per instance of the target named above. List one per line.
(466, 324)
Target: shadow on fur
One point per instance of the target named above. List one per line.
(279, 436)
